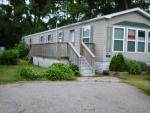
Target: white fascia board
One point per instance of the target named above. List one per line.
(109, 16)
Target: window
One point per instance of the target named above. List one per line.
(60, 36)
(30, 42)
(131, 40)
(41, 39)
(118, 39)
(141, 41)
(49, 38)
(72, 36)
(149, 42)
(86, 34)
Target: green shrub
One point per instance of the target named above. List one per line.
(9, 57)
(59, 71)
(25, 58)
(23, 49)
(133, 67)
(28, 73)
(142, 64)
(75, 69)
(117, 63)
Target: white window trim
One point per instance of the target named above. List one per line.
(147, 40)
(59, 37)
(47, 38)
(141, 41)
(89, 33)
(40, 39)
(131, 40)
(118, 39)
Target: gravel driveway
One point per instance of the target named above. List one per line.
(72, 97)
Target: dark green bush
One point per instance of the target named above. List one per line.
(142, 64)
(75, 69)
(133, 67)
(117, 63)
(9, 57)
(25, 58)
(23, 49)
(59, 71)
(28, 73)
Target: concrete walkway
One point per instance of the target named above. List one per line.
(72, 97)
(99, 79)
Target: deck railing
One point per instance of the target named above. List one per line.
(56, 50)
(91, 46)
(74, 56)
(88, 56)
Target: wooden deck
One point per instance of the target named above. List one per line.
(65, 50)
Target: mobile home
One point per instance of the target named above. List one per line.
(91, 44)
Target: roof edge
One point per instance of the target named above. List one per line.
(109, 16)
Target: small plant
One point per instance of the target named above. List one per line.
(148, 72)
(133, 67)
(23, 49)
(59, 71)
(28, 73)
(142, 64)
(117, 63)
(75, 69)
(9, 57)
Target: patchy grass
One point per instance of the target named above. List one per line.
(10, 74)
(137, 80)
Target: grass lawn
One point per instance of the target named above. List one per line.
(137, 80)
(10, 74)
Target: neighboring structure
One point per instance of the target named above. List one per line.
(127, 32)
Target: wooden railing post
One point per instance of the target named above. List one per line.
(58, 51)
(80, 64)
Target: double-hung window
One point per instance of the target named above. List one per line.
(49, 38)
(86, 34)
(42, 39)
(141, 41)
(148, 41)
(118, 38)
(131, 40)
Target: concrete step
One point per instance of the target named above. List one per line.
(86, 71)
(84, 65)
(85, 68)
(87, 74)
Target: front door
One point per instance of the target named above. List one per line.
(72, 37)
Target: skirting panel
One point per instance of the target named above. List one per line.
(100, 66)
(43, 62)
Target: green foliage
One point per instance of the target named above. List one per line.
(25, 58)
(133, 67)
(29, 74)
(23, 49)
(75, 69)
(142, 64)
(59, 71)
(117, 63)
(9, 57)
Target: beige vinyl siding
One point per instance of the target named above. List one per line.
(135, 17)
(98, 35)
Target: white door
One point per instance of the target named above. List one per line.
(72, 37)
